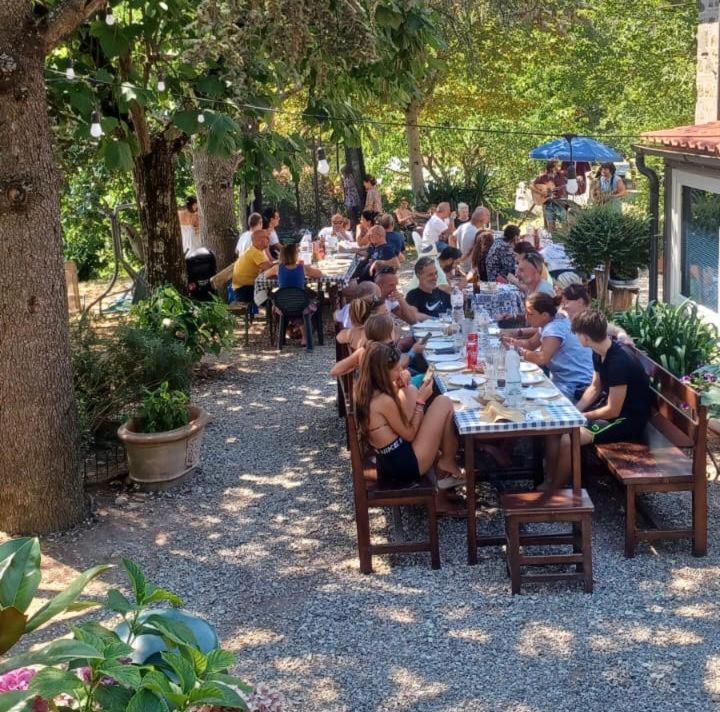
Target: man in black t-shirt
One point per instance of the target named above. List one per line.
(617, 402)
(426, 297)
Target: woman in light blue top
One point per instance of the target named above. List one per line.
(609, 189)
(551, 344)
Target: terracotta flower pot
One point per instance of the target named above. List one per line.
(161, 460)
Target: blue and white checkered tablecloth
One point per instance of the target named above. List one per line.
(506, 300)
(561, 413)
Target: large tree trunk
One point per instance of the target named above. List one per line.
(355, 159)
(41, 487)
(412, 132)
(154, 174)
(215, 190)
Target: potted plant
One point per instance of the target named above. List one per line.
(603, 237)
(706, 381)
(163, 440)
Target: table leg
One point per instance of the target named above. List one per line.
(470, 490)
(576, 465)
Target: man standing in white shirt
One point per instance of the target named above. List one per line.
(437, 229)
(245, 240)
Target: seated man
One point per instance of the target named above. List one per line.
(387, 280)
(445, 263)
(438, 229)
(617, 402)
(245, 240)
(530, 275)
(396, 239)
(426, 297)
(337, 228)
(379, 254)
(249, 265)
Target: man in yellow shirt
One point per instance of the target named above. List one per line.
(249, 265)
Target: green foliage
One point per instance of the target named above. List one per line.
(96, 669)
(706, 381)
(203, 327)
(163, 410)
(677, 337)
(112, 371)
(481, 190)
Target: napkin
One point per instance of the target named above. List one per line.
(465, 398)
(494, 412)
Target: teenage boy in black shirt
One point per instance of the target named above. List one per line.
(617, 402)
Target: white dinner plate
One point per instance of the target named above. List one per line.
(493, 331)
(527, 367)
(425, 327)
(542, 392)
(450, 366)
(466, 379)
(530, 379)
(441, 358)
(439, 344)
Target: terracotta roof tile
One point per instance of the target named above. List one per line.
(703, 138)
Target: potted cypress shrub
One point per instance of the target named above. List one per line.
(163, 440)
(618, 242)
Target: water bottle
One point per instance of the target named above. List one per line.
(306, 248)
(331, 244)
(513, 383)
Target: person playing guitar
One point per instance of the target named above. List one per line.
(548, 189)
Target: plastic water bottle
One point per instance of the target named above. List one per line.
(331, 244)
(306, 248)
(482, 319)
(457, 301)
(513, 382)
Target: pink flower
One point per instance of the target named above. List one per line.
(685, 379)
(85, 674)
(16, 680)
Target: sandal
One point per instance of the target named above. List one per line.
(448, 480)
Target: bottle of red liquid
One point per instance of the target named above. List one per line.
(471, 350)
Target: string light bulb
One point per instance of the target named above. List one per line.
(96, 130)
(201, 118)
(109, 17)
(70, 71)
(161, 81)
(323, 166)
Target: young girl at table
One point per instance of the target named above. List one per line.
(407, 437)
(360, 311)
(292, 273)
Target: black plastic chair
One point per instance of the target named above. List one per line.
(292, 303)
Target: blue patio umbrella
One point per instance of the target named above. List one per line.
(575, 148)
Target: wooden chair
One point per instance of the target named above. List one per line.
(368, 494)
(678, 424)
(242, 309)
(566, 506)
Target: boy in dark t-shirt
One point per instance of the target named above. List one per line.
(616, 404)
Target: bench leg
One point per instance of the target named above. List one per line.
(308, 331)
(281, 332)
(433, 531)
(577, 535)
(247, 327)
(630, 522)
(513, 553)
(699, 519)
(586, 533)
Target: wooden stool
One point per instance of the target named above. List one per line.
(563, 506)
(242, 309)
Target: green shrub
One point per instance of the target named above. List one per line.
(163, 409)
(677, 337)
(203, 327)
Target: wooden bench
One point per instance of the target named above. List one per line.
(367, 494)
(660, 463)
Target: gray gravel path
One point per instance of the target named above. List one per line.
(263, 542)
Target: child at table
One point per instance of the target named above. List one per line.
(407, 438)
(360, 311)
(292, 273)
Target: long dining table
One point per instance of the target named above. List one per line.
(544, 411)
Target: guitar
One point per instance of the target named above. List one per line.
(544, 192)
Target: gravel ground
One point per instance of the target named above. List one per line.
(262, 541)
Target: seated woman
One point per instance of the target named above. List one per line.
(478, 268)
(520, 249)
(407, 438)
(367, 220)
(291, 273)
(570, 365)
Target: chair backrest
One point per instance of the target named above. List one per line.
(356, 461)
(291, 301)
(676, 406)
(417, 241)
(346, 381)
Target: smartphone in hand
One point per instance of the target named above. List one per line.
(426, 338)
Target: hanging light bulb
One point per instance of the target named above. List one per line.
(70, 71)
(201, 118)
(95, 126)
(161, 82)
(572, 185)
(323, 166)
(109, 17)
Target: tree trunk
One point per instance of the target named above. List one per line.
(41, 487)
(257, 203)
(216, 197)
(355, 159)
(154, 174)
(412, 132)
